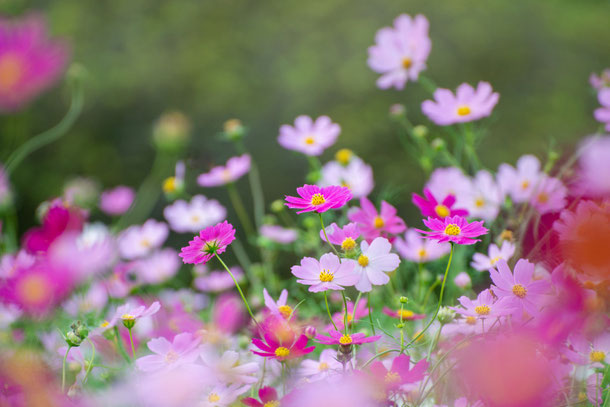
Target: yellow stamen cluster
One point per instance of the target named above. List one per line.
(379, 223)
(171, 357)
(309, 140)
(213, 398)
(442, 210)
(317, 199)
(453, 230)
(169, 185)
(348, 244)
(597, 356)
(405, 314)
(494, 260)
(326, 276)
(422, 253)
(344, 156)
(519, 290)
(127, 317)
(323, 366)
(391, 377)
(463, 110)
(345, 340)
(272, 403)
(407, 62)
(543, 197)
(363, 260)
(471, 320)
(482, 309)
(285, 310)
(479, 202)
(282, 352)
(525, 184)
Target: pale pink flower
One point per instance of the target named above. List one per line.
(182, 350)
(117, 201)
(462, 280)
(195, 215)
(594, 389)
(323, 368)
(415, 247)
(219, 280)
(278, 307)
(222, 395)
(159, 267)
(468, 104)
(327, 274)
(602, 114)
(549, 195)
(484, 306)
(594, 351)
(235, 168)
(227, 368)
(446, 181)
(520, 182)
(482, 262)
(374, 263)
(309, 137)
(485, 198)
(356, 175)
(128, 312)
(11, 262)
(601, 81)
(279, 234)
(138, 241)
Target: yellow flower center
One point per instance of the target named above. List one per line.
(285, 310)
(210, 247)
(405, 313)
(463, 110)
(482, 309)
(543, 197)
(226, 175)
(391, 377)
(317, 199)
(272, 403)
(378, 222)
(363, 260)
(422, 253)
(343, 156)
(471, 320)
(127, 317)
(282, 352)
(525, 184)
(323, 366)
(213, 398)
(345, 340)
(506, 235)
(479, 202)
(11, 70)
(597, 356)
(169, 185)
(33, 289)
(232, 125)
(452, 229)
(442, 211)
(171, 357)
(326, 276)
(348, 244)
(519, 290)
(309, 140)
(494, 260)
(407, 62)
(104, 324)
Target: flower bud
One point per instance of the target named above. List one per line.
(400, 325)
(310, 331)
(445, 315)
(172, 131)
(234, 130)
(403, 300)
(72, 339)
(420, 131)
(398, 110)
(438, 144)
(277, 206)
(128, 321)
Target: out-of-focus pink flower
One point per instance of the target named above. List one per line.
(520, 182)
(57, 219)
(602, 114)
(5, 187)
(279, 234)
(601, 81)
(268, 397)
(117, 201)
(485, 197)
(356, 175)
(374, 224)
(170, 355)
(222, 395)
(468, 104)
(344, 237)
(94, 299)
(278, 307)
(158, 267)
(138, 241)
(505, 252)
(594, 388)
(446, 181)
(226, 368)
(195, 215)
(235, 168)
(349, 391)
(211, 241)
(337, 338)
(128, 312)
(593, 161)
(327, 366)
(462, 280)
(327, 274)
(429, 206)
(549, 195)
(404, 314)
(352, 316)
(416, 248)
(217, 281)
(484, 307)
(282, 350)
(313, 198)
(229, 314)
(523, 294)
(10, 263)
(400, 52)
(454, 229)
(373, 264)
(175, 319)
(399, 373)
(309, 137)
(594, 352)
(167, 388)
(30, 62)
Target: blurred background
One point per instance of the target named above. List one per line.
(265, 62)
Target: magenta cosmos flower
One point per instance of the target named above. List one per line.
(466, 105)
(453, 229)
(400, 53)
(235, 168)
(374, 224)
(271, 348)
(309, 137)
(268, 398)
(602, 114)
(344, 237)
(399, 373)
(313, 198)
(211, 241)
(117, 201)
(29, 61)
(337, 338)
(429, 206)
(327, 274)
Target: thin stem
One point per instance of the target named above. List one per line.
(90, 362)
(238, 205)
(370, 312)
(133, 348)
(440, 299)
(256, 187)
(345, 316)
(326, 236)
(328, 310)
(119, 344)
(355, 306)
(243, 297)
(63, 370)
(378, 355)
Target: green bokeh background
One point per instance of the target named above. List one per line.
(266, 62)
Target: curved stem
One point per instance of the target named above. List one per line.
(328, 310)
(51, 135)
(377, 355)
(345, 310)
(63, 370)
(326, 236)
(90, 362)
(241, 293)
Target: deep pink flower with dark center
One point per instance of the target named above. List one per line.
(57, 220)
(400, 373)
(211, 241)
(429, 206)
(271, 348)
(337, 338)
(268, 398)
(407, 315)
(375, 224)
(313, 198)
(453, 229)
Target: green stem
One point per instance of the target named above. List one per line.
(241, 293)
(326, 236)
(63, 370)
(377, 355)
(240, 210)
(370, 312)
(90, 362)
(328, 310)
(133, 348)
(355, 306)
(119, 344)
(345, 316)
(51, 135)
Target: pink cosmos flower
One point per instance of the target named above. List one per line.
(520, 182)
(235, 168)
(117, 201)
(170, 355)
(373, 263)
(159, 267)
(466, 105)
(484, 198)
(484, 306)
(58, 219)
(327, 366)
(217, 281)
(344, 237)
(418, 249)
(313, 198)
(462, 280)
(268, 398)
(374, 224)
(279, 234)
(227, 368)
(128, 312)
(523, 293)
(594, 388)
(278, 307)
(405, 314)
(463, 402)
(602, 114)
(399, 373)
(229, 314)
(355, 175)
(327, 274)
(601, 81)
(549, 195)
(454, 229)
(281, 351)
(400, 52)
(594, 351)
(450, 181)
(482, 263)
(222, 395)
(337, 338)
(309, 137)
(10, 263)
(429, 206)
(360, 312)
(138, 241)
(30, 62)
(195, 215)
(212, 240)
(593, 160)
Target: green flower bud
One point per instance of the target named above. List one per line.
(403, 300)
(420, 131)
(172, 131)
(277, 206)
(72, 339)
(438, 144)
(234, 130)
(445, 315)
